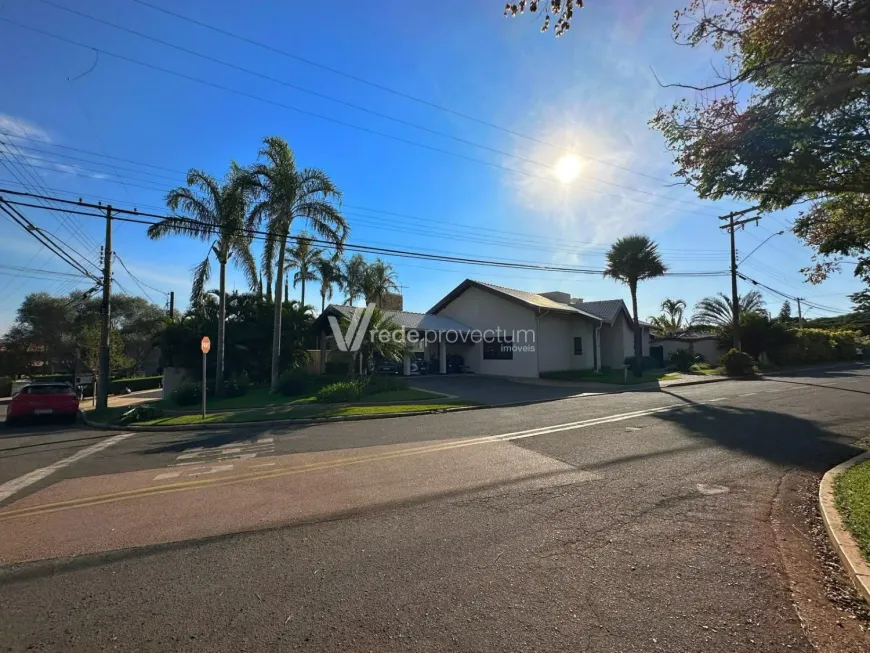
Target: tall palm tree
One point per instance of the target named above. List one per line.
(671, 320)
(213, 210)
(352, 277)
(327, 273)
(304, 257)
(716, 312)
(379, 279)
(285, 193)
(633, 259)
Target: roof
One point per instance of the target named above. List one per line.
(405, 319)
(685, 336)
(528, 299)
(608, 310)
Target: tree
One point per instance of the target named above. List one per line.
(716, 312)
(285, 193)
(327, 273)
(633, 259)
(374, 346)
(861, 301)
(789, 123)
(352, 277)
(564, 9)
(671, 321)
(213, 210)
(379, 278)
(785, 312)
(304, 257)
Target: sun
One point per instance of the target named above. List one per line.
(568, 168)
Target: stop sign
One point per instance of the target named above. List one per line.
(205, 345)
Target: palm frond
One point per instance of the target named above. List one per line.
(201, 276)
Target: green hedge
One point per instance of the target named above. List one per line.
(135, 384)
(816, 346)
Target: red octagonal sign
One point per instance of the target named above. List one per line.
(205, 345)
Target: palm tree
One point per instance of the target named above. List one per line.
(379, 278)
(716, 312)
(671, 321)
(633, 259)
(352, 277)
(212, 210)
(327, 273)
(304, 257)
(374, 347)
(285, 193)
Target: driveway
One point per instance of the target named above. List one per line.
(492, 390)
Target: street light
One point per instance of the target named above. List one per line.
(778, 233)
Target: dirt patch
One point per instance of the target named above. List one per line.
(833, 615)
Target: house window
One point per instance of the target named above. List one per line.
(498, 349)
(578, 346)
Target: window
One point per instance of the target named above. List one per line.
(578, 346)
(498, 349)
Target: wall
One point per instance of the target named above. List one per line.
(555, 342)
(482, 310)
(706, 347)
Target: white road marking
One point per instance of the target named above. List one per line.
(262, 465)
(748, 394)
(710, 490)
(16, 485)
(168, 475)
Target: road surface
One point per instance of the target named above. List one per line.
(630, 522)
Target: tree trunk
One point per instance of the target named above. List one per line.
(303, 294)
(638, 344)
(276, 326)
(222, 318)
(322, 300)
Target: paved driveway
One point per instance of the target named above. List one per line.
(491, 390)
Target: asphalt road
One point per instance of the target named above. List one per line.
(630, 522)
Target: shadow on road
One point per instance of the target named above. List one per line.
(820, 385)
(785, 440)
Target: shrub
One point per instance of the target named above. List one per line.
(816, 346)
(700, 367)
(378, 384)
(140, 413)
(681, 359)
(294, 383)
(135, 384)
(647, 362)
(339, 392)
(237, 386)
(738, 363)
(188, 394)
(5, 386)
(336, 368)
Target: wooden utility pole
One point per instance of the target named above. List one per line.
(800, 314)
(105, 317)
(171, 304)
(735, 299)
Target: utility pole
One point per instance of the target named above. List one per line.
(800, 314)
(171, 304)
(105, 315)
(735, 300)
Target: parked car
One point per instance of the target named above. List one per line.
(43, 400)
(388, 367)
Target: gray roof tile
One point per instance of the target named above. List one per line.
(408, 320)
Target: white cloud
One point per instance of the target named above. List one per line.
(19, 130)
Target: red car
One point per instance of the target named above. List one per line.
(43, 399)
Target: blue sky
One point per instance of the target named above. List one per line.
(591, 92)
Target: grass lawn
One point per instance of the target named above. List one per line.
(697, 369)
(299, 412)
(852, 492)
(614, 376)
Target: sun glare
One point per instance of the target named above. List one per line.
(568, 168)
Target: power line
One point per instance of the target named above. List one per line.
(351, 125)
(142, 285)
(402, 94)
(20, 268)
(343, 102)
(356, 247)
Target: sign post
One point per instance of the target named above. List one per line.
(204, 345)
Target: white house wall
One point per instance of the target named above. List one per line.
(483, 310)
(556, 333)
(708, 348)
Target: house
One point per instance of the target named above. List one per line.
(502, 331)
(569, 334)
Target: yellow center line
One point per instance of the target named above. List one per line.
(181, 486)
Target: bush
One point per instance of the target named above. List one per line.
(817, 346)
(700, 367)
(336, 368)
(681, 359)
(116, 386)
(339, 392)
(188, 394)
(294, 383)
(5, 386)
(647, 362)
(738, 363)
(237, 386)
(140, 413)
(378, 384)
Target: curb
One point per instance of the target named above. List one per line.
(842, 541)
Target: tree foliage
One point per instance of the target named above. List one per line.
(716, 312)
(671, 320)
(788, 122)
(562, 9)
